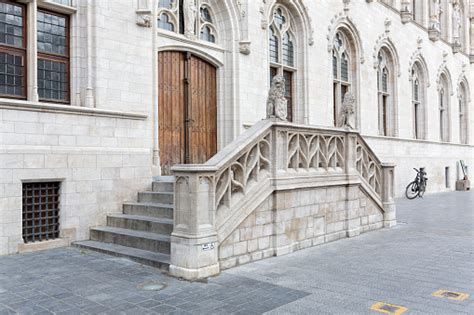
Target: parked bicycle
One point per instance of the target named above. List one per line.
(417, 187)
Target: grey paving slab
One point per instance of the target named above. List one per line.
(432, 248)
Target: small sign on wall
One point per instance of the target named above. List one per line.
(208, 246)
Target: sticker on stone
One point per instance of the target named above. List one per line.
(456, 296)
(387, 308)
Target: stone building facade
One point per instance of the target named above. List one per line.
(91, 99)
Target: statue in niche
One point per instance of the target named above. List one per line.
(189, 13)
(457, 21)
(276, 102)
(347, 116)
(435, 15)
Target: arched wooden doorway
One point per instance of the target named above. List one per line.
(187, 109)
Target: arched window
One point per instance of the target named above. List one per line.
(463, 114)
(282, 52)
(171, 17)
(342, 71)
(443, 100)
(385, 90)
(418, 101)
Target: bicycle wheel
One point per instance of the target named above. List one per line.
(412, 190)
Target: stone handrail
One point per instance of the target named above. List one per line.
(213, 198)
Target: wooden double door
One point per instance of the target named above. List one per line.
(187, 109)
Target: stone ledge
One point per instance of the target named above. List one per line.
(67, 109)
(44, 245)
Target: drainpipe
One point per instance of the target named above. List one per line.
(154, 37)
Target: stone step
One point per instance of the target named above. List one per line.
(157, 210)
(141, 223)
(157, 260)
(156, 197)
(163, 186)
(169, 179)
(130, 238)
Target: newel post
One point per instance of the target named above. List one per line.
(194, 247)
(351, 153)
(388, 193)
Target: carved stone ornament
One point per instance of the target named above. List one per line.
(347, 117)
(143, 18)
(244, 47)
(276, 102)
(189, 13)
(457, 22)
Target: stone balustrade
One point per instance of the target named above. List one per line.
(213, 199)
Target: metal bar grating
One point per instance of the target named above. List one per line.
(40, 211)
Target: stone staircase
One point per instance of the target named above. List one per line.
(142, 232)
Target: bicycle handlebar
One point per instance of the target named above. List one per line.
(416, 170)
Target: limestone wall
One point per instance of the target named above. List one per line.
(101, 161)
(291, 220)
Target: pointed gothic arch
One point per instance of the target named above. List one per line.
(464, 100)
(345, 48)
(445, 91)
(288, 38)
(419, 83)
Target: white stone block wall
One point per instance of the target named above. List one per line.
(292, 220)
(100, 161)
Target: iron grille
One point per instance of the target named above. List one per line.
(40, 211)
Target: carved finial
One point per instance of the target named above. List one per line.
(445, 56)
(346, 5)
(276, 102)
(387, 23)
(419, 42)
(347, 116)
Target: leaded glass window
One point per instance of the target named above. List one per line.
(385, 95)
(165, 23)
(282, 52)
(418, 101)
(171, 18)
(463, 115)
(12, 50)
(341, 72)
(53, 56)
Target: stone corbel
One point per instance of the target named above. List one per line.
(143, 17)
(244, 47)
(405, 13)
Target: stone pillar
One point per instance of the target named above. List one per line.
(471, 34)
(194, 246)
(352, 217)
(405, 11)
(388, 181)
(32, 52)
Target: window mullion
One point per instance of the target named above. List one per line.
(32, 52)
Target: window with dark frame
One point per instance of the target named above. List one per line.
(12, 49)
(53, 56)
(40, 211)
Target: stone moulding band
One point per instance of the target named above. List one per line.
(68, 109)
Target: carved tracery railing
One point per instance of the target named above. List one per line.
(246, 170)
(313, 150)
(368, 166)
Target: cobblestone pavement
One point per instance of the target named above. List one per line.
(432, 248)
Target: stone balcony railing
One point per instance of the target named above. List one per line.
(212, 199)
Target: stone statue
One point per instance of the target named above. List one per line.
(276, 102)
(435, 14)
(347, 117)
(189, 13)
(457, 21)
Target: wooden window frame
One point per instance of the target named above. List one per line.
(16, 51)
(66, 59)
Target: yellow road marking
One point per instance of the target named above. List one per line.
(386, 308)
(456, 296)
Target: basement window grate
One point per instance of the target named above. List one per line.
(40, 211)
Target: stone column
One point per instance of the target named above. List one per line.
(32, 52)
(388, 180)
(194, 246)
